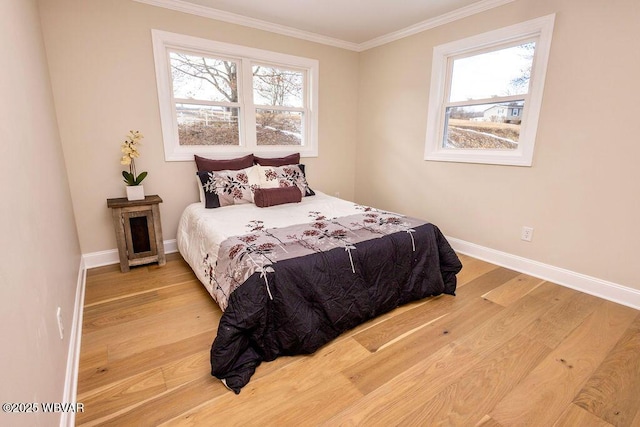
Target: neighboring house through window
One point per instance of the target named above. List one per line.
(486, 94)
(224, 100)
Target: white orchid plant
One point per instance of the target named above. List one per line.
(130, 153)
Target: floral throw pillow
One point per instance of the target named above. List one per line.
(227, 187)
(284, 176)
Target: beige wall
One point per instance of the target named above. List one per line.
(104, 84)
(582, 194)
(39, 255)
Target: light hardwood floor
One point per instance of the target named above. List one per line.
(508, 350)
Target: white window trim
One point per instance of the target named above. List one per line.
(541, 29)
(173, 151)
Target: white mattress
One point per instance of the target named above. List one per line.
(201, 230)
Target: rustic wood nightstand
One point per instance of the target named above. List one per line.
(138, 231)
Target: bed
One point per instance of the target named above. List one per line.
(291, 277)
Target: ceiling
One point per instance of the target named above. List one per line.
(352, 24)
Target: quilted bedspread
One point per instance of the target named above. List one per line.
(289, 290)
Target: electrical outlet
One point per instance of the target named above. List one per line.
(60, 325)
(527, 234)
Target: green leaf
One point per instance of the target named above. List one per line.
(128, 177)
(142, 176)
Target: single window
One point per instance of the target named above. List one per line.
(224, 100)
(486, 93)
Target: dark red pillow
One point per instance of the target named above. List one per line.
(211, 165)
(292, 159)
(265, 197)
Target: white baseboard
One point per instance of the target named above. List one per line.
(67, 418)
(87, 261)
(99, 259)
(580, 282)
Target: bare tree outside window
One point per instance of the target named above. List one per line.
(221, 75)
(521, 82)
(274, 86)
(282, 90)
(206, 94)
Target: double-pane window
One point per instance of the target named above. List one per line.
(222, 99)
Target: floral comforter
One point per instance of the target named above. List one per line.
(289, 289)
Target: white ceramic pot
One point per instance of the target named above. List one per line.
(135, 192)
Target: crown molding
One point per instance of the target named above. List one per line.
(452, 16)
(233, 18)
